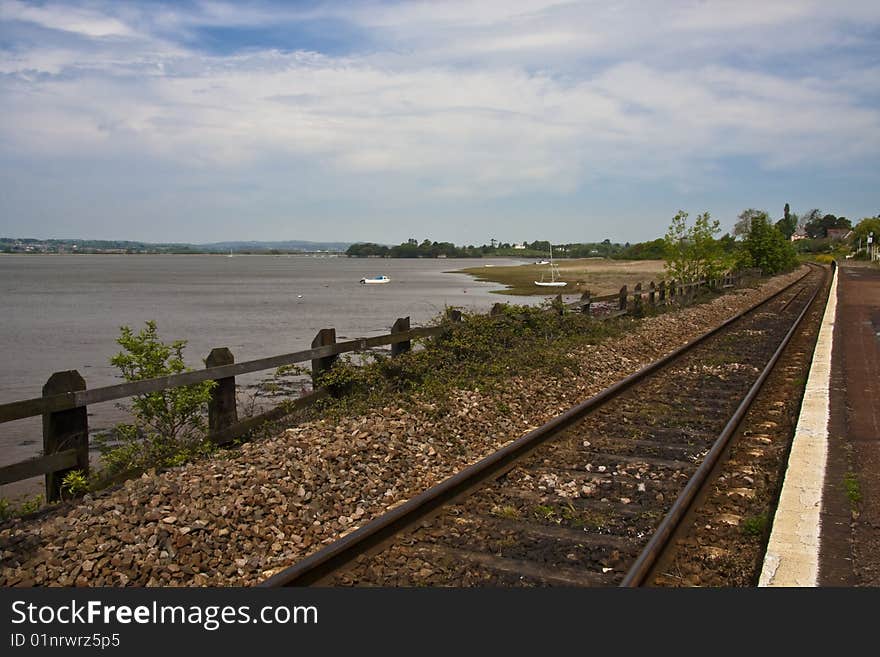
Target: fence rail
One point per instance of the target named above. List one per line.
(65, 397)
(74, 399)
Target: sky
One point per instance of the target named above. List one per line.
(448, 120)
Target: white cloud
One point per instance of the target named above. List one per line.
(68, 19)
(518, 98)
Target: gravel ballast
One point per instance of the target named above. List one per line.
(238, 518)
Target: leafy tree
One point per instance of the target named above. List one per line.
(365, 249)
(817, 227)
(654, 250)
(169, 425)
(864, 228)
(766, 248)
(728, 243)
(744, 221)
(692, 252)
(788, 224)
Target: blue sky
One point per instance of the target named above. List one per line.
(456, 121)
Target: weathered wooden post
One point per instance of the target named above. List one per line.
(637, 298)
(222, 408)
(622, 298)
(497, 309)
(454, 315)
(585, 302)
(325, 338)
(652, 295)
(558, 305)
(400, 326)
(662, 291)
(63, 430)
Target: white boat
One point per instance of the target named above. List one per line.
(554, 274)
(376, 279)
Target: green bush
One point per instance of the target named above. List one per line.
(479, 353)
(75, 483)
(692, 252)
(169, 426)
(766, 248)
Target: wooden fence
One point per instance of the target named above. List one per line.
(65, 399)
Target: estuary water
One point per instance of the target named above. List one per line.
(63, 312)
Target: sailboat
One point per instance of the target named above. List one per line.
(554, 275)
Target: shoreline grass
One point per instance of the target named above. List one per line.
(600, 276)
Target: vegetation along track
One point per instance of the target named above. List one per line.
(593, 496)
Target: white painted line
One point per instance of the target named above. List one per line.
(792, 557)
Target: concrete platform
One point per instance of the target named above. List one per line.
(826, 531)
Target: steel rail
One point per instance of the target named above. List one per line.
(334, 556)
(659, 542)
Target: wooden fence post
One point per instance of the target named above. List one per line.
(558, 305)
(652, 295)
(222, 409)
(585, 302)
(325, 338)
(454, 315)
(637, 298)
(497, 309)
(672, 286)
(65, 430)
(662, 290)
(622, 298)
(401, 325)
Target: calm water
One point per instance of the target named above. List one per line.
(64, 312)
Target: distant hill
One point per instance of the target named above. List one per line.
(290, 245)
(33, 245)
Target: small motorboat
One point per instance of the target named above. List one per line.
(375, 279)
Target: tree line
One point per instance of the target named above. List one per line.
(412, 248)
(691, 250)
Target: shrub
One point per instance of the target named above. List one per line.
(765, 247)
(692, 252)
(169, 425)
(75, 483)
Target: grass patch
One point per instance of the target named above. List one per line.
(599, 276)
(853, 488)
(481, 353)
(544, 512)
(507, 511)
(755, 525)
(9, 510)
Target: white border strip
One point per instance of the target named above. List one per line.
(792, 557)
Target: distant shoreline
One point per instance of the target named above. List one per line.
(329, 254)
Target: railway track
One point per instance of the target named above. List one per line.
(592, 497)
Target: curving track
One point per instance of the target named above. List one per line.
(592, 497)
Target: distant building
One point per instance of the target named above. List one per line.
(519, 246)
(838, 234)
(799, 234)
